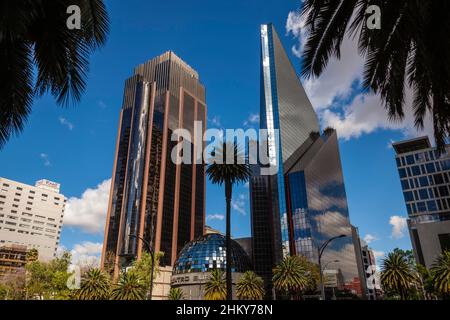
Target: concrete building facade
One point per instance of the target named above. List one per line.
(32, 216)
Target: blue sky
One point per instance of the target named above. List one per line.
(75, 146)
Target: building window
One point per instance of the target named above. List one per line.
(402, 173)
(443, 191)
(424, 182)
(421, 207)
(432, 207)
(416, 171)
(410, 160)
(423, 194)
(409, 197)
(430, 168)
(438, 179)
(405, 185)
(445, 165)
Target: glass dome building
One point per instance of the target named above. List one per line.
(198, 258)
(208, 253)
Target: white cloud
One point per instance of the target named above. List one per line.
(46, 159)
(295, 26)
(239, 204)
(87, 254)
(370, 238)
(365, 114)
(66, 123)
(252, 119)
(399, 226)
(89, 211)
(219, 217)
(102, 104)
(215, 121)
(333, 223)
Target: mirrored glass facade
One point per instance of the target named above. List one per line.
(208, 253)
(152, 197)
(305, 202)
(318, 207)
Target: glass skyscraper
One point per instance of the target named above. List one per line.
(304, 204)
(152, 197)
(425, 179)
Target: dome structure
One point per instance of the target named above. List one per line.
(208, 253)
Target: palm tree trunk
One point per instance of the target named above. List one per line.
(228, 195)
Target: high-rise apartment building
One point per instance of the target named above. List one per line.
(31, 216)
(152, 197)
(425, 178)
(296, 210)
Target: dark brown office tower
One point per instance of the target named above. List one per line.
(152, 197)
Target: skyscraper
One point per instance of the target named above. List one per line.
(425, 179)
(304, 204)
(152, 197)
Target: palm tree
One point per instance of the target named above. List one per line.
(34, 36)
(291, 276)
(95, 285)
(397, 275)
(412, 48)
(175, 294)
(441, 271)
(426, 281)
(215, 288)
(221, 172)
(130, 287)
(250, 287)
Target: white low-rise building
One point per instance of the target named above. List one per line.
(32, 216)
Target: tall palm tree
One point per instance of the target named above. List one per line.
(130, 287)
(39, 54)
(222, 172)
(250, 287)
(175, 294)
(291, 276)
(215, 288)
(95, 285)
(441, 271)
(397, 275)
(412, 48)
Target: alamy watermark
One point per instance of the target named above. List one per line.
(374, 19)
(255, 147)
(74, 20)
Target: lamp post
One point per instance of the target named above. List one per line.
(321, 251)
(149, 248)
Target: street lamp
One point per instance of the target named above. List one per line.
(149, 248)
(321, 251)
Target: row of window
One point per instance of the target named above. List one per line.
(29, 215)
(431, 206)
(425, 181)
(420, 158)
(427, 194)
(9, 227)
(424, 169)
(6, 185)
